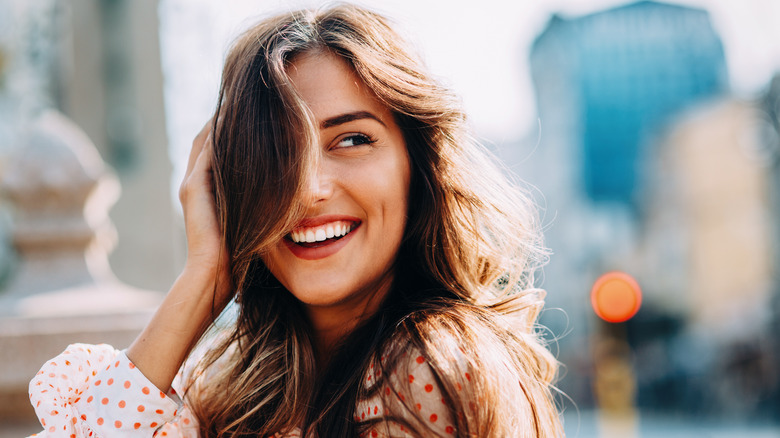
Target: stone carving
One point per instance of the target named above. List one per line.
(61, 192)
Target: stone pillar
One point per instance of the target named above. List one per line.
(112, 87)
(62, 289)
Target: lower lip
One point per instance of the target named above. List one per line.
(320, 252)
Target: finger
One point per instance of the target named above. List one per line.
(203, 161)
(201, 168)
(197, 145)
(200, 173)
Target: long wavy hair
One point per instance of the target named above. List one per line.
(463, 294)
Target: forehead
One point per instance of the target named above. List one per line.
(330, 87)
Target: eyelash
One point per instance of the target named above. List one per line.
(363, 140)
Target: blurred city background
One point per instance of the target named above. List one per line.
(648, 132)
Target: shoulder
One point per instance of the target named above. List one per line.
(488, 378)
(403, 397)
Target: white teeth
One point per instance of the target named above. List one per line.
(320, 234)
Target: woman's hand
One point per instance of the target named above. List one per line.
(203, 288)
(206, 251)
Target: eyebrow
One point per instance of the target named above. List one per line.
(348, 117)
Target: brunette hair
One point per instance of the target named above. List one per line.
(463, 295)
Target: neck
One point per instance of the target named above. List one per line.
(333, 323)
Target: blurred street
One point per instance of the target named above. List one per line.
(586, 425)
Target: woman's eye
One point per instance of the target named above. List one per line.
(353, 140)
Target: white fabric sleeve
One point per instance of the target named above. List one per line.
(96, 391)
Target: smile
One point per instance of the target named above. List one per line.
(321, 233)
(320, 237)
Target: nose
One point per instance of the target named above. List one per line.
(320, 185)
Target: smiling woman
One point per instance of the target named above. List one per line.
(381, 264)
(360, 188)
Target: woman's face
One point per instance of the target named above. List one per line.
(341, 256)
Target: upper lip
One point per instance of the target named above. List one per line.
(324, 219)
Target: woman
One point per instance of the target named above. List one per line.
(382, 266)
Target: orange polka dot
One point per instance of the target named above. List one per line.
(376, 409)
(443, 401)
(141, 408)
(418, 406)
(100, 421)
(154, 424)
(411, 378)
(137, 426)
(186, 421)
(145, 390)
(83, 417)
(434, 417)
(73, 435)
(97, 382)
(387, 390)
(468, 377)
(127, 384)
(165, 433)
(449, 429)
(52, 375)
(116, 365)
(420, 359)
(74, 420)
(374, 433)
(162, 394)
(132, 366)
(428, 388)
(159, 411)
(53, 412)
(52, 429)
(117, 424)
(104, 401)
(110, 382)
(122, 403)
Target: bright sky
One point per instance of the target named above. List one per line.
(479, 48)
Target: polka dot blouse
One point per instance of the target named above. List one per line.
(96, 391)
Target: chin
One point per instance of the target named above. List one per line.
(321, 297)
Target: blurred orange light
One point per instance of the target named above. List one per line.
(616, 297)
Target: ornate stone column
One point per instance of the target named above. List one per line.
(62, 289)
(61, 192)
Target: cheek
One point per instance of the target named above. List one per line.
(386, 188)
(273, 260)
